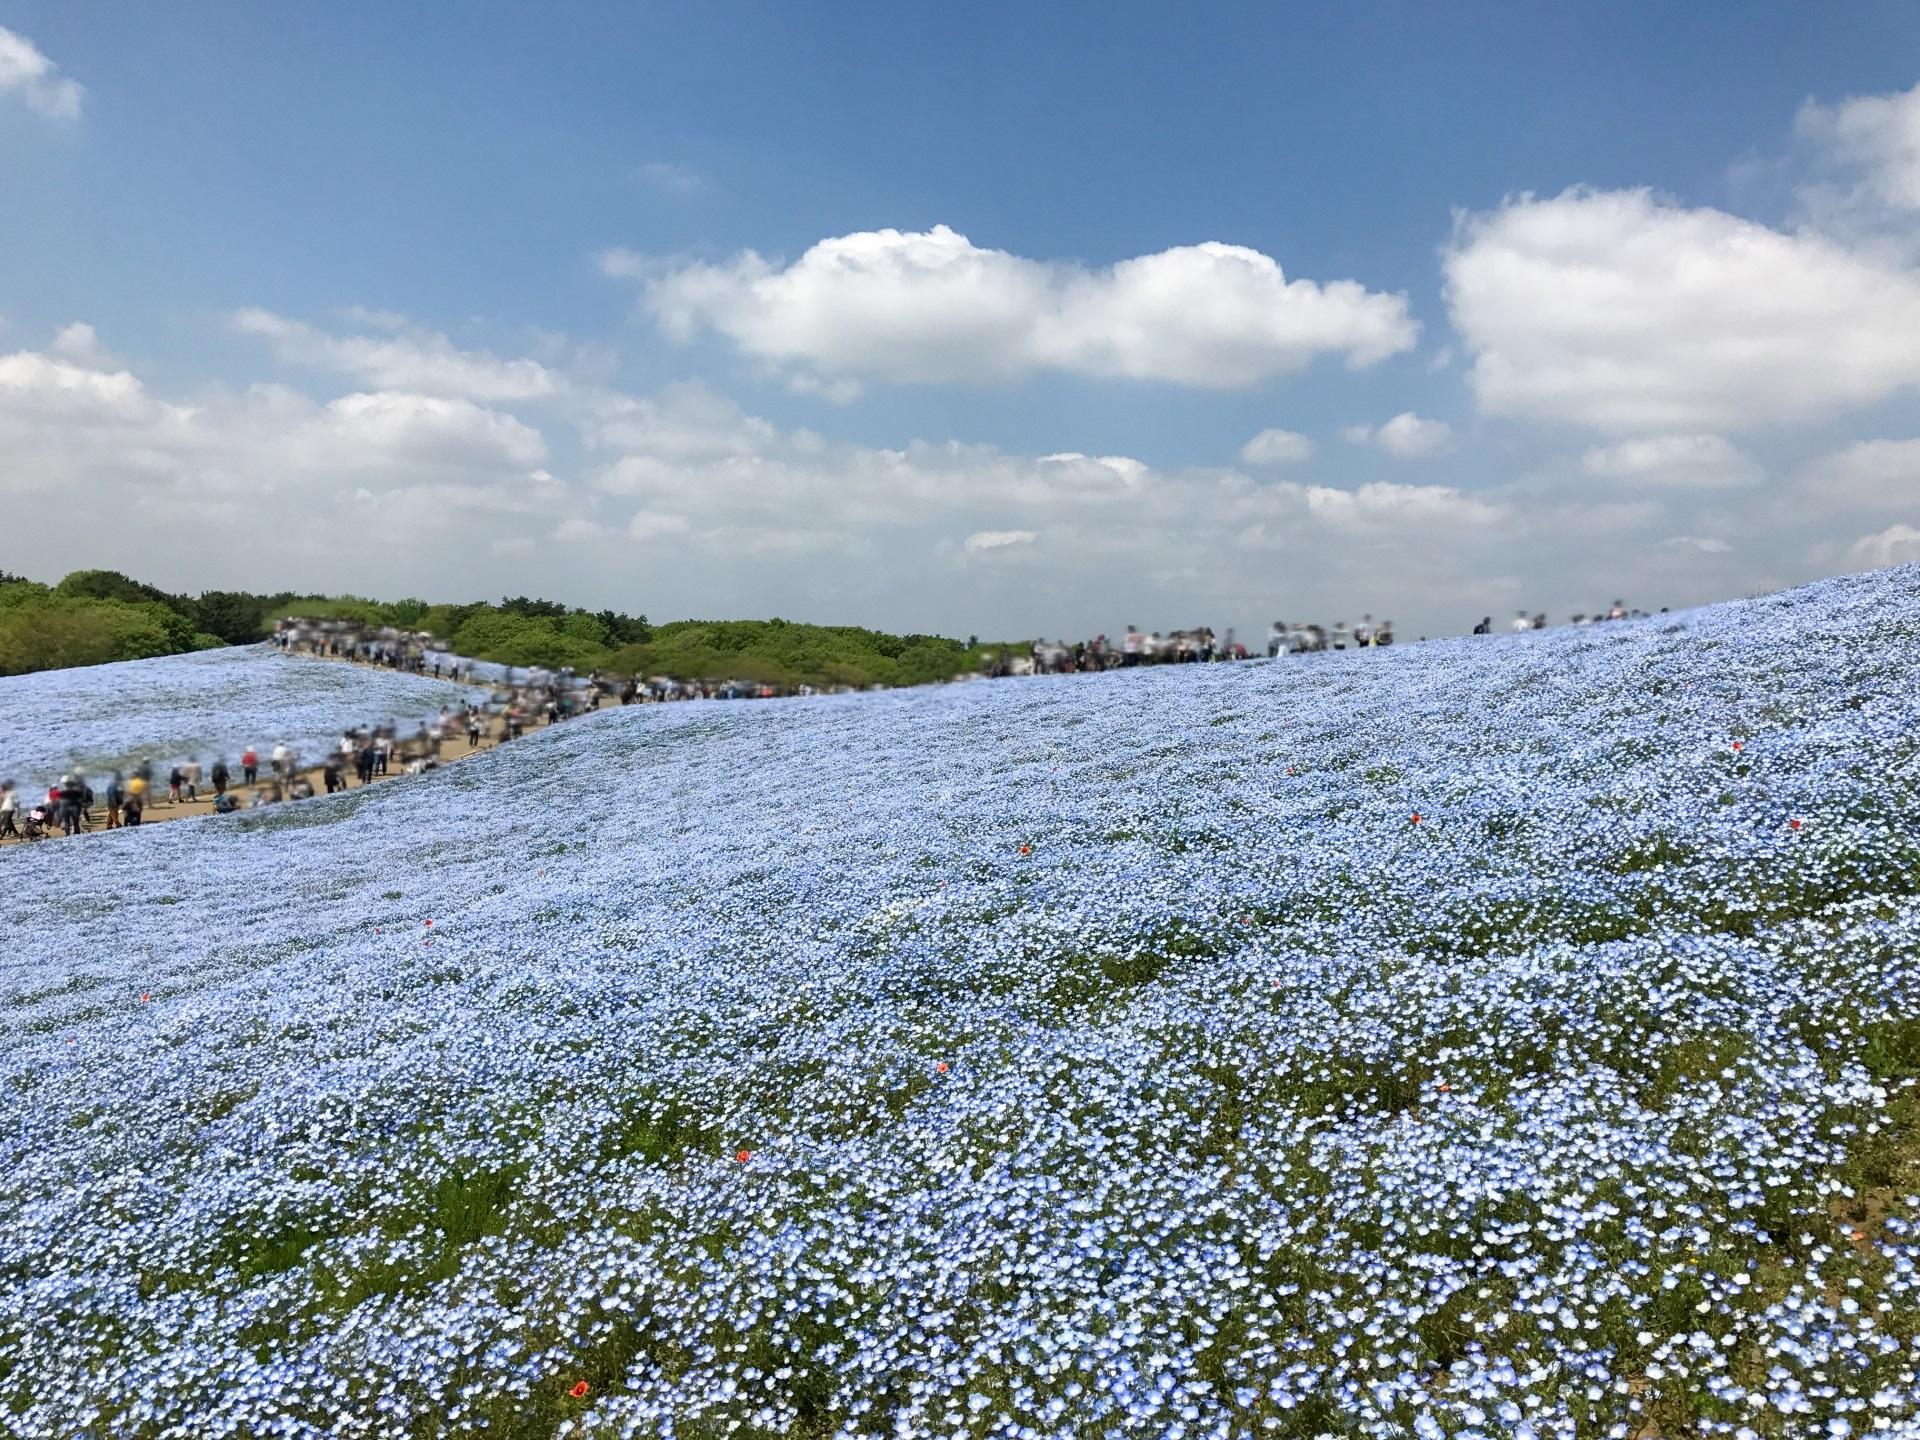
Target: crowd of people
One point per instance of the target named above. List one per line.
(417, 653)
(361, 755)
(1134, 647)
(516, 703)
(1181, 647)
(1523, 622)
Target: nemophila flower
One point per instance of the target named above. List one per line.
(200, 704)
(396, 1195)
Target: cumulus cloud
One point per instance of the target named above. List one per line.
(393, 428)
(1867, 475)
(1895, 545)
(1697, 462)
(88, 451)
(1624, 313)
(684, 503)
(31, 77)
(1276, 447)
(403, 359)
(1875, 138)
(982, 541)
(934, 307)
(1405, 437)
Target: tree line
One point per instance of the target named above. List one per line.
(95, 616)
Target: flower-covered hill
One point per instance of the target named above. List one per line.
(200, 705)
(1078, 1056)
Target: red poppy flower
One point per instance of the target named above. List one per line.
(579, 1391)
(429, 922)
(1794, 823)
(1441, 1085)
(941, 1066)
(1289, 769)
(744, 1156)
(1416, 817)
(145, 997)
(1736, 745)
(1026, 849)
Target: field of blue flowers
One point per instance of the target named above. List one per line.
(196, 706)
(1515, 1037)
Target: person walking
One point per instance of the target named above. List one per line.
(190, 777)
(282, 763)
(1485, 627)
(70, 792)
(1276, 639)
(220, 775)
(250, 765)
(116, 797)
(9, 810)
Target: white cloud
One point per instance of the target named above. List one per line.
(1895, 545)
(1405, 437)
(982, 541)
(1698, 462)
(413, 360)
(719, 512)
(843, 390)
(1276, 447)
(934, 307)
(669, 178)
(1705, 544)
(681, 423)
(1867, 475)
(51, 386)
(1382, 503)
(1876, 137)
(390, 428)
(25, 72)
(85, 445)
(1617, 311)
(654, 524)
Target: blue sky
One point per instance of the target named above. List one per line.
(574, 187)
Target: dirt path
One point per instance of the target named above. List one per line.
(160, 809)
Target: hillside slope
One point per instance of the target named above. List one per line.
(205, 704)
(1113, 1054)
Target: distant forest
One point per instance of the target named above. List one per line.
(94, 616)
